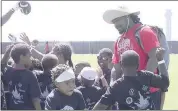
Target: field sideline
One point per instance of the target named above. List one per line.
(171, 102)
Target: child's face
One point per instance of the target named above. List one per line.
(86, 82)
(26, 60)
(66, 87)
(104, 60)
(59, 56)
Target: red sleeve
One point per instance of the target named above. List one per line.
(149, 39)
(115, 58)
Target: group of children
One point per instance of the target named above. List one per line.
(53, 83)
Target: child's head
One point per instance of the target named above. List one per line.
(49, 61)
(87, 76)
(64, 53)
(63, 78)
(129, 62)
(36, 64)
(35, 42)
(21, 54)
(104, 57)
(79, 66)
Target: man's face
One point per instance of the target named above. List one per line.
(104, 60)
(66, 87)
(121, 24)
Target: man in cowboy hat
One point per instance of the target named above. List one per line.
(127, 22)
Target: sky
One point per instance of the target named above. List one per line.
(81, 20)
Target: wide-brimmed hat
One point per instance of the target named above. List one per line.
(121, 11)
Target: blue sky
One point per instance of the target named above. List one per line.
(81, 20)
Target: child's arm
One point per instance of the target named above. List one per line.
(6, 56)
(162, 80)
(36, 103)
(35, 53)
(104, 82)
(35, 91)
(102, 78)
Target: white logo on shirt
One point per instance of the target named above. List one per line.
(45, 93)
(124, 45)
(67, 108)
(131, 92)
(129, 100)
(17, 98)
(144, 88)
(143, 102)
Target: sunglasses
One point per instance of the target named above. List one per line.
(102, 58)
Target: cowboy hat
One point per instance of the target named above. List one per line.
(110, 15)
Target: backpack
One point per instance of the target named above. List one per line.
(161, 38)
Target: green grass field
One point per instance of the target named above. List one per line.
(171, 102)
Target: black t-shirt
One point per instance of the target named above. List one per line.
(45, 84)
(58, 101)
(77, 82)
(132, 93)
(91, 95)
(23, 87)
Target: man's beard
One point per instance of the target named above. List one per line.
(121, 31)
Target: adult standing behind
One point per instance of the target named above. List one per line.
(24, 6)
(127, 22)
(47, 48)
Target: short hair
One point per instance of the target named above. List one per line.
(35, 41)
(83, 63)
(66, 51)
(36, 64)
(58, 70)
(49, 61)
(130, 58)
(106, 51)
(18, 50)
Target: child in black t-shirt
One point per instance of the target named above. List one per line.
(78, 67)
(21, 82)
(132, 90)
(5, 95)
(49, 61)
(64, 96)
(104, 60)
(90, 92)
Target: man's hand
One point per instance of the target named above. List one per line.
(160, 54)
(12, 38)
(25, 38)
(16, 7)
